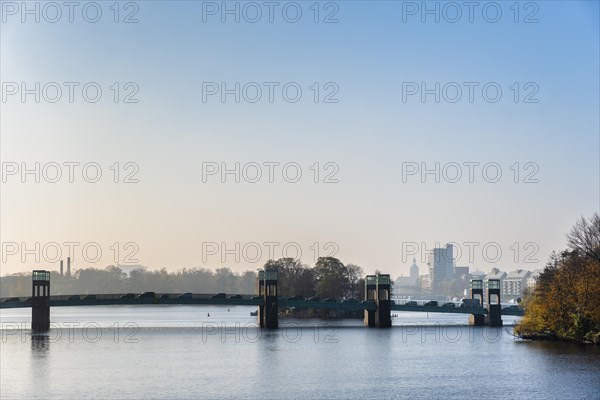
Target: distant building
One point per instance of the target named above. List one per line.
(412, 279)
(461, 272)
(403, 281)
(425, 283)
(441, 265)
(414, 272)
(478, 275)
(533, 278)
(514, 283)
(495, 273)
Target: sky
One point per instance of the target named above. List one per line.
(339, 170)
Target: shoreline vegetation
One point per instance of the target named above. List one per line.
(565, 303)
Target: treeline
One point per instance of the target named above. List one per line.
(113, 280)
(328, 278)
(565, 303)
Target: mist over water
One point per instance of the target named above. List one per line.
(182, 352)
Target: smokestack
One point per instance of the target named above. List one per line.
(68, 266)
(61, 267)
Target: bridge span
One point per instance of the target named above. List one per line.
(244, 300)
(376, 307)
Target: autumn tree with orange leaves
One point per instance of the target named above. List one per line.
(565, 304)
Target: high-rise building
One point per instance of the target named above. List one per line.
(441, 265)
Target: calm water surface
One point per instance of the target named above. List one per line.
(146, 352)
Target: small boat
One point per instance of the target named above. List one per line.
(254, 313)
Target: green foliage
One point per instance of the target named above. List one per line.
(294, 278)
(330, 275)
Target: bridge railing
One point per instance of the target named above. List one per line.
(118, 296)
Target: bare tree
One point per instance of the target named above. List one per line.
(584, 237)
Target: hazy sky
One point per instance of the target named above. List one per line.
(372, 61)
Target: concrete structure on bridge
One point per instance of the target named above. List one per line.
(493, 315)
(477, 295)
(377, 289)
(266, 287)
(40, 301)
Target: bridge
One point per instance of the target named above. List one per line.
(376, 307)
(245, 300)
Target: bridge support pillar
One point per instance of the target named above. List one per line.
(370, 290)
(377, 289)
(260, 291)
(383, 316)
(476, 298)
(477, 319)
(268, 313)
(494, 309)
(40, 301)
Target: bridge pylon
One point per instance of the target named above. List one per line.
(268, 312)
(370, 290)
(476, 293)
(383, 316)
(377, 289)
(40, 301)
(494, 309)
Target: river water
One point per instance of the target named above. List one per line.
(172, 352)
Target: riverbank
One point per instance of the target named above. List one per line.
(591, 338)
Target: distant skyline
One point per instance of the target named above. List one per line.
(368, 203)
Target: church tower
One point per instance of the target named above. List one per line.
(414, 272)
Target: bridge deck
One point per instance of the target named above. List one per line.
(245, 300)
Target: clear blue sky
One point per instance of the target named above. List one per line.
(369, 133)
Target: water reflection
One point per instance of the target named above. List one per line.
(559, 348)
(40, 344)
(303, 358)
